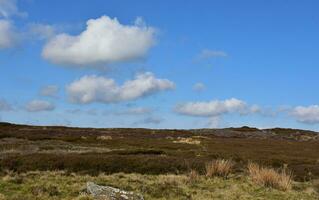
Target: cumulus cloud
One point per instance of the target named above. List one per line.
(105, 40)
(9, 8)
(213, 108)
(309, 115)
(104, 90)
(199, 87)
(49, 91)
(39, 105)
(8, 35)
(5, 106)
(207, 53)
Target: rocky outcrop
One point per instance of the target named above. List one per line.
(110, 193)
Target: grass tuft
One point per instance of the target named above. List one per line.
(84, 196)
(193, 177)
(269, 177)
(219, 167)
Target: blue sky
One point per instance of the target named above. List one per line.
(160, 64)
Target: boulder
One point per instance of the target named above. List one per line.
(110, 193)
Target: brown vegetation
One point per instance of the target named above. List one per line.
(219, 167)
(269, 177)
(193, 176)
(24, 148)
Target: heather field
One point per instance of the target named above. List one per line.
(56, 162)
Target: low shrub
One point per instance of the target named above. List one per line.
(95, 163)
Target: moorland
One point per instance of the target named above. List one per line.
(54, 162)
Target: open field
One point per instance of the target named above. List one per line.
(144, 157)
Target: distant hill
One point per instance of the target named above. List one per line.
(240, 132)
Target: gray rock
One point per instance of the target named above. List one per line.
(110, 193)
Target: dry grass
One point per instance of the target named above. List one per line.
(219, 167)
(83, 196)
(270, 177)
(193, 176)
(187, 141)
(54, 185)
(104, 137)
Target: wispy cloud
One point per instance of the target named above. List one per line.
(49, 91)
(8, 35)
(39, 105)
(208, 53)
(150, 120)
(41, 31)
(8, 8)
(135, 111)
(5, 106)
(199, 87)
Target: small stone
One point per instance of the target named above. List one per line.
(110, 193)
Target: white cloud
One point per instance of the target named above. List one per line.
(199, 87)
(212, 108)
(50, 91)
(104, 90)
(9, 8)
(309, 115)
(4, 105)
(7, 34)
(39, 105)
(105, 40)
(207, 53)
